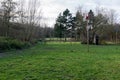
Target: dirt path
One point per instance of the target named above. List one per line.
(3, 55)
(7, 54)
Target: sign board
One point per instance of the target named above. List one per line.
(89, 27)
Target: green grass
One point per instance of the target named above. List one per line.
(62, 61)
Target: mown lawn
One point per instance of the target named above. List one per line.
(62, 61)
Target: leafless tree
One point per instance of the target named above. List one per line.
(33, 17)
(8, 7)
(30, 16)
(112, 16)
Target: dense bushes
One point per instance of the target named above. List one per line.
(9, 43)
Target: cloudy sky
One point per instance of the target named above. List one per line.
(51, 8)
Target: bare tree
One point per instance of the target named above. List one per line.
(8, 7)
(33, 12)
(30, 16)
(112, 20)
(112, 16)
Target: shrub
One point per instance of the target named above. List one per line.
(15, 44)
(9, 43)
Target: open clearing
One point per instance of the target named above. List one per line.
(62, 61)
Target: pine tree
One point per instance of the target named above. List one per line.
(63, 24)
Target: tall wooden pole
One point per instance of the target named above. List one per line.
(116, 37)
(87, 37)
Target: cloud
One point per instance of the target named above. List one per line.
(52, 8)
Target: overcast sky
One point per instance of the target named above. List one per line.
(51, 8)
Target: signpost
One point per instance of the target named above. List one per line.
(89, 20)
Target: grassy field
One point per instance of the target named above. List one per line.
(62, 61)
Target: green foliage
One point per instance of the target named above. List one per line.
(58, 31)
(9, 43)
(62, 61)
(63, 24)
(15, 44)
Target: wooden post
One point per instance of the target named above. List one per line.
(116, 37)
(88, 40)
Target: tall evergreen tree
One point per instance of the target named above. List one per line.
(66, 22)
(63, 24)
(58, 27)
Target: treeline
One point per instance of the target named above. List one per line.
(103, 26)
(20, 21)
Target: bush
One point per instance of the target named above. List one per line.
(103, 42)
(33, 42)
(83, 42)
(9, 43)
(15, 44)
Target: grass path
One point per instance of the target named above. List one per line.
(62, 61)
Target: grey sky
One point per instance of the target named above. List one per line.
(51, 8)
